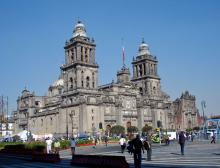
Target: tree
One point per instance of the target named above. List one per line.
(189, 130)
(118, 129)
(132, 129)
(146, 129)
(196, 128)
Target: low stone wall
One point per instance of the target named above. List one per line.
(44, 157)
(99, 161)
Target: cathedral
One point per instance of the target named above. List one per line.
(77, 104)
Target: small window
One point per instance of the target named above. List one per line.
(82, 84)
(87, 81)
(141, 90)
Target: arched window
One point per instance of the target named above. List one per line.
(90, 54)
(82, 78)
(140, 70)
(93, 80)
(82, 83)
(81, 53)
(87, 81)
(71, 82)
(154, 90)
(86, 56)
(141, 90)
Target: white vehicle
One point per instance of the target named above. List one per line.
(172, 135)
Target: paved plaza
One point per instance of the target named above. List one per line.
(197, 154)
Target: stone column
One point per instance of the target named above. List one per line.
(74, 54)
(66, 57)
(146, 67)
(143, 70)
(78, 51)
(134, 71)
(83, 54)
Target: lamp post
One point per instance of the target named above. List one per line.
(66, 119)
(203, 104)
(71, 117)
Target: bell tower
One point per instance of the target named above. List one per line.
(145, 74)
(80, 70)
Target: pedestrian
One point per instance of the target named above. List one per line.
(122, 142)
(95, 142)
(49, 143)
(130, 147)
(138, 148)
(167, 140)
(73, 145)
(182, 140)
(57, 146)
(213, 137)
(106, 141)
(192, 136)
(148, 147)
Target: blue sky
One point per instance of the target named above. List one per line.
(184, 35)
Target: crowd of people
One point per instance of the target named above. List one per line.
(135, 146)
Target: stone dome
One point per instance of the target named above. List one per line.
(79, 30)
(144, 48)
(58, 82)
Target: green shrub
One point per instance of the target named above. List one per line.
(64, 144)
(80, 141)
(14, 147)
(20, 146)
(37, 146)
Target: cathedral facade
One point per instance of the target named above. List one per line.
(77, 104)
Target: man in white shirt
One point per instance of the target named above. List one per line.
(49, 143)
(122, 142)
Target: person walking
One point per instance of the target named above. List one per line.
(49, 143)
(106, 141)
(138, 148)
(122, 142)
(73, 145)
(213, 137)
(95, 142)
(148, 147)
(182, 140)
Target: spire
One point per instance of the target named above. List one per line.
(143, 40)
(123, 56)
(123, 53)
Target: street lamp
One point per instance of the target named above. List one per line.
(203, 104)
(66, 118)
(71, 117)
